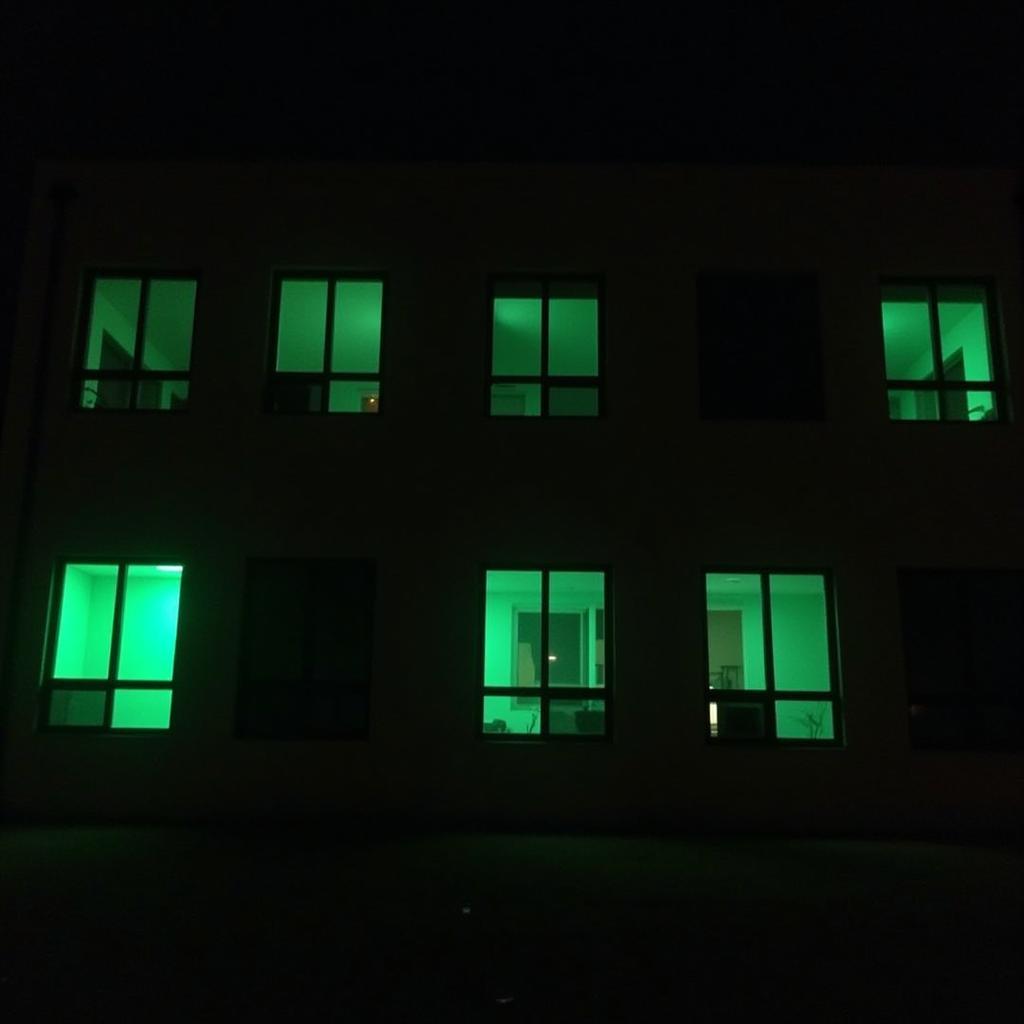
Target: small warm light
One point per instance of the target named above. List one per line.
(552, 657)
(732, 579)
(169, 568)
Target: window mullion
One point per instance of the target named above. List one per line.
(115, 642)
(140, 332)
(769, 658)
(325, 397)
(933, 326)
(545, 598)
(545, 293)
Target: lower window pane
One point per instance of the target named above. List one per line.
(77, 707)
(913, 405)
(162, 394)
(576, 718)
(354, 396)
(572, 402)
(515, 399)
(106, 394)
(517, 715)
(297, 396)
(974, 406)
(730, 721)
(141, 709)
(803, 720)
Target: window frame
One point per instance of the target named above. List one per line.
(544, 379)
(767, 697)
(306, 684)
(49, 685)
(544, 692)
(323, 377)
(136, 375)
(967, 698)
(939, 385)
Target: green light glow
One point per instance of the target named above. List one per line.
(170, 312)
(799, 632)
(115, 316)
(572, 337)
(83, 708)
(354, 396)
(572, 402)
(86, 622)
(150, 624)
(576, 718)
(141, 709)
(906, 327)
(517, 334)
(302, 326)
(515, 399)
(510, 660)
(963, 329)
(357, 327)
(735, 631)
(501, 717)
(803, 720)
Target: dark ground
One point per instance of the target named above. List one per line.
(119, 924)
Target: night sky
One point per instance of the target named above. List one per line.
(766, 82)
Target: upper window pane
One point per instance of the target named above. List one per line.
(576, 629)
(572, 330)
(512, 651)
(759, 347)
(149, 627)
(799, 632)
(170, 315)
(302, 326)
(735, 631)
(357, 323)
(517, 330)
(86, 622)
(963, 329)
(113, 323)
(906, 325)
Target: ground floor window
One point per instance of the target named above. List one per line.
(771, 662)
(110, 662)
(546, 671)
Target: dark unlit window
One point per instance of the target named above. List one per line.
(136, 349)
(940, 360)
(963, 642)
(327, 344)
(307, 641)
(759, 347)
(546, 671)
(545, 348)
(771, 658)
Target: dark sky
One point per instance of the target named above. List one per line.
(738, 82)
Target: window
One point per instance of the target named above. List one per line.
(940, 362)
(963, 642)
(327, 339)
(771, 658)
(546, 348)
(759, 347)
(136, 347)
(111, 659)
(307, 639)
(546, 671)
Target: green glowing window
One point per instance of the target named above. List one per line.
(136, 345)
(759, 346)
(327, 342)
(307, 637)
(111, 661)
(963, 643)
(546, 350)
(547, 655)
(771, 658)
(940, 359)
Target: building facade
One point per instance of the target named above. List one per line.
(617, 497)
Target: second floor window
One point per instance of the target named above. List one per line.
(940, 360)
(327, 340)
(136, 349)
(546, 350)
